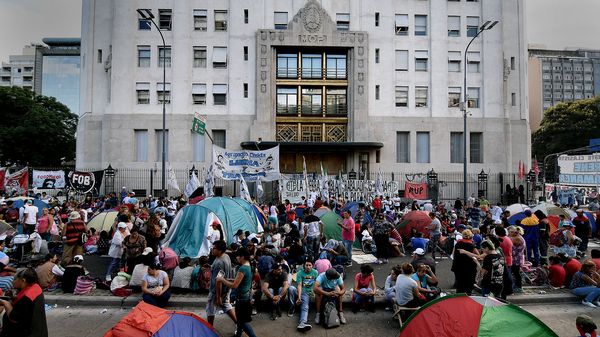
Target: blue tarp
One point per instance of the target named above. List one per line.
(183, 326)
(36, 202)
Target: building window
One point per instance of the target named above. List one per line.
(401, 24)
(454, 26)
(159, 144)
(456, 147)
(246, 16)
(337, 103)
(99, 55)
(377, 92)
(312, 99)
(220, 94)
(343, 21)
(163, 93)
(144, 56)
(336, 66)
(473, 61)
(219, 57)
(376, 19)
(220, 20)
(287, 101)
(472, 26)
(454, 61)
(287, 65)
(245, 90)
(245, 53)
(421, 60)
(199, 56)
(166, 52)
(220, 138)
(454, 97)
(281, 20)
(476, 147)
(142, 90)
(422, 147)
(473, 98)
(165, 19)
(402, 147)
(512, 63)
(513, 99)
(141, 145)
(199, 93)
(421, 98)
(200, 19)
(311, 66)
(420, 25)
(401, 60)
(198, 147)
(144, 24)
(376, 55)
(401, 96)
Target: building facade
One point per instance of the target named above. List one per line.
(19, 70)
(357, 85)
(560, 76)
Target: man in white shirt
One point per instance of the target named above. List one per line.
(496, 212)
(30, 215)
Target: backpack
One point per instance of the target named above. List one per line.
(204, 277)
(330, 316)
(557, 238)
(168, 259)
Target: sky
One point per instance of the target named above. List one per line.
(557, 24)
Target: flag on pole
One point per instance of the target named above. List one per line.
(192, 185)
(172, 181)
(324, 184)
(259, 189)
(209, 182)
(244, 192)
(379, 183)
(305, 177)
(521, 170)
(536, 167)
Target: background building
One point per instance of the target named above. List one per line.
(560, 76)
(51, 69)
(357, 85)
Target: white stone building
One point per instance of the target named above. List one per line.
(355, 84)
(19, 70)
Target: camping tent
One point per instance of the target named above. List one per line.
(188, 233)
(331, 229)
(146, 320)
(462, 315)
(103, 221)
(419, 220)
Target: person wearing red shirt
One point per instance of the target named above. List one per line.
(571, 267)
(348, 234)
(556, 272)
(377, 204)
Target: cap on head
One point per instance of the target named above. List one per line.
(420, 251)
(78, 258)
(147, 251)
(122, 225)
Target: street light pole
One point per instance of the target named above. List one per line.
(486, 26)
(146, 14)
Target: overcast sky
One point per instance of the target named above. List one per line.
(554, 23)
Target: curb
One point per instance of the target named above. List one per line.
(200, 301)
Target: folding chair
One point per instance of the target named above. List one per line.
(398, 309)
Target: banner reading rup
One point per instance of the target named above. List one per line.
(229, 165)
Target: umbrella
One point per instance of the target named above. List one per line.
(461, 315)
(103, 221)
(517, 208)
(414, 219)
(553, 221)
(550, 209)
(18, 202)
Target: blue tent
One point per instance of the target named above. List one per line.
(234, 214)
(18, 203)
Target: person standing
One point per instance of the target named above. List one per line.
(435, 232)
(532, 237)
(348, 234)
(243, 284)
(583, 230)
(218, 293)
(463, 265)
(43, 225)
(492, 270)
(116, 250)
(381, 236)
(30, 217)
(313, 231)
(72, 237)
(26, 314)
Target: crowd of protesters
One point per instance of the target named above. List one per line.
(293, 263)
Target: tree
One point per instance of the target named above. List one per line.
(566, 126)
(35, 130)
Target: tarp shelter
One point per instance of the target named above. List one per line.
(103, 221)
(188, 233)
(18, 202)
(146, 320)
(353, 207)
(469, 316)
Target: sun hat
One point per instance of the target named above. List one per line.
(74, 215)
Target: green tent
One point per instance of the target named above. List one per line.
(331, 228)
(234, 214)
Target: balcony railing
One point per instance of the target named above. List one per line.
(312, 110)
(308, 73)
(336, 110)
(287, 110)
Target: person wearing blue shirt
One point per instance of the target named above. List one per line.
(329, 286)
(419, 242)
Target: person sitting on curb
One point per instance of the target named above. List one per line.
(329, 286)
(155, 287)
(427, 281)
(72, 272)
(585, 284)
(389, 289)
(556, 272)
(305, 280)
(364, 289)
(275, 288)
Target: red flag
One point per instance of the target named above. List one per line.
(2, 177)
(18, 181)
(521, 170)
(536, 168)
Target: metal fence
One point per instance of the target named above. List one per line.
(446, 187)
